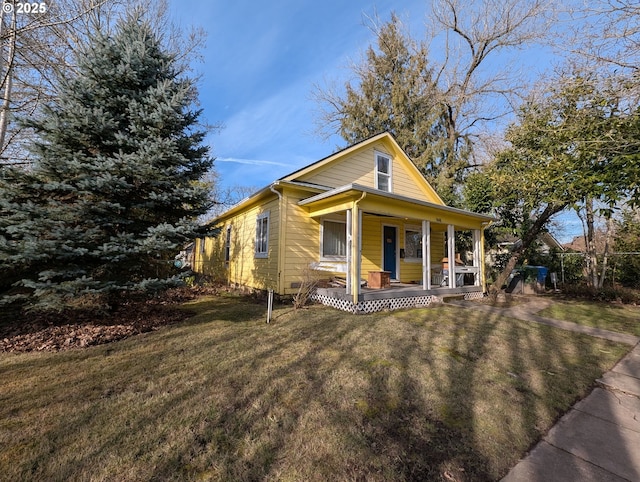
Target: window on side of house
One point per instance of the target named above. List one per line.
(412, 243)
(383, 172)
(227, 245)
(202, 241)
(334, 239)
(262, 235)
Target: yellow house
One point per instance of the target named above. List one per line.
(362, 214)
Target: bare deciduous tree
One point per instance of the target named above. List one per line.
(479, 78)
(37, 46)
(605, 33)
(468, 89)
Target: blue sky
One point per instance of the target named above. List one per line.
(260, 64)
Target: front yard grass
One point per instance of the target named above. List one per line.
(439, 393)
(608, 316)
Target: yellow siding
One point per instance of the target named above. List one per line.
(437, 246)
(359, 168)
(371, 244)
(244, 268)
(302, 245)
(409, 271)
(295, 236)
(356, 168)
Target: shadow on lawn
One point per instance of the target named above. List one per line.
(431, 394)
(388, 423)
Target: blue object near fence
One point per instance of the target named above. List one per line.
(542, 273)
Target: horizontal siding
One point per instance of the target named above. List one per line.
(371, 244)
(404, 184)
(302, 245)
(410, 271)
(437, 247)
(356, 168)
(243, 268)
(359, 168)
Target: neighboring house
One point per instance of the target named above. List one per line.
(579, 244)
(544, 244)
(365, 209)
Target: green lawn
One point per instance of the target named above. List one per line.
(614, 317)
(440, 393)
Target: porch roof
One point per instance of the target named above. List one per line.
(381, 202)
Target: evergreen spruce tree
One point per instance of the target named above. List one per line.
(115, 189)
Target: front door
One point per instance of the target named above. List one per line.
(390, 235)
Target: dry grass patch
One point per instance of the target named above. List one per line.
(430, 394)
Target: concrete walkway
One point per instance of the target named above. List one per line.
(599, 438)
(527, 311)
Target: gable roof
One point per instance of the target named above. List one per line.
(390, 142)
(293, 177)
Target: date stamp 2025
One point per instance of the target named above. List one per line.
(24, 7)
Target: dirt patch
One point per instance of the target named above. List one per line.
(82, 328)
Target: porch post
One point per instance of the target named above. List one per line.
(359, 252)
(356, 220)
(483, 262)
(451, 255)
(476, 257)
(426, 255)
(349, 259)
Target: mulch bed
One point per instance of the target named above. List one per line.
(72, 329)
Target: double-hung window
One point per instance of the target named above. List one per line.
(383, 172)
(334, 239)
(412, 243)
(227, 245)
(262, 235)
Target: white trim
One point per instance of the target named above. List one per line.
(227, 245)
(364, 189)
(332, 257)
(426, 255)
(417, 229)
(451, 255)
(359, 246)
(348, 288)
(394, 276)
(265, 253)
(477, 257)
(376, 173)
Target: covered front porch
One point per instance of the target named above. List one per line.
(397, 296)
(410, 241)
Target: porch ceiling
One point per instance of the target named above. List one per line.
(378, 202)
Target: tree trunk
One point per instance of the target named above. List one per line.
(590, 245)
(7, 83)
(528, 238)
(605, 256)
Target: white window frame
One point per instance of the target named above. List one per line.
(377, 173)
(416, 229)
(262, 251)
(202, 245)
(227, 245)
(332, 257)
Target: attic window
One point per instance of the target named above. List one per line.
(383, 172)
